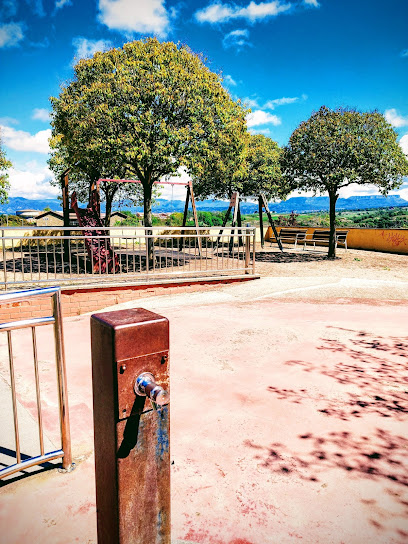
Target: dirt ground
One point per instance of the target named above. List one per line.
(351, 263)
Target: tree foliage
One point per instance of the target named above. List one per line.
(263, 169)
(4, 184)
(335, 148)
(259, 173)
(143, 111)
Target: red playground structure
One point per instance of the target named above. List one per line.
(104, 260)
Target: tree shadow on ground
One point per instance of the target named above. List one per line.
(57, 263)
(379, 456)
(289, 257)
(370, 373)
(377, 372)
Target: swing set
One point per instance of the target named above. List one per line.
(104, 258)
(100, 250)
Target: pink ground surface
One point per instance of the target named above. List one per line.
(289, 423)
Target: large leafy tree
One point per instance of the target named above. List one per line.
(4, 184)
(335, 148)
(143, 111)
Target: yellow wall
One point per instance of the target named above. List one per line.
(387, 240)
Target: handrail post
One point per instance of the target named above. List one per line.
(132, 455)
(62, 382)
(3, 245)
(247, 249)
(253, 252)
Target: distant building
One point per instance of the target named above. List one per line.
(28, 214)
(56, 219)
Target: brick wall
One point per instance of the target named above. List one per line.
(76, 301)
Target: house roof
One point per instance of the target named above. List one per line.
(72, 215)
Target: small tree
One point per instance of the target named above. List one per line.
(263, 169)
(4, 184)
(143, 111)
(335, 148)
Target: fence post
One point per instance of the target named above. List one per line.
(3, 245)
(253, 253)
(247, 249)
(130, 351)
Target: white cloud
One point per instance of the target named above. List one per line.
(264, 131)
(141, 16)
(271, 104)
(228, 80)
(19, 140)
(85, 49)
(8, 121)
(221, 13)
(61, 3)
(358, 190)
(251, 103)
(259, 117)
(395, 119)
(236, 38)
(11, 34)
(404, 144)
(32, 181)
(41, 114)
(175, 192)
(313, 3)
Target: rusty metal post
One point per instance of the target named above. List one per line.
(247, 250)
(130, 351)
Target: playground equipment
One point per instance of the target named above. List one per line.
(264, 204)
(237, 221)
(97, 241)
(99, 248)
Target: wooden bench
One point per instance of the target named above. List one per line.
(290, 235)
(321, 238)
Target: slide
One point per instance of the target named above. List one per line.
(99, 249)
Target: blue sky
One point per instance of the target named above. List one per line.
(284, 58)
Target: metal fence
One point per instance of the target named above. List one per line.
(56, 321)
(36, 256)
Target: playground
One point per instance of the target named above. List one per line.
(304, 439)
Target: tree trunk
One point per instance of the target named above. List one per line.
(147, 216)
(109, 200)
(333, 196)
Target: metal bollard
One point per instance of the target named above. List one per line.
(130, 364)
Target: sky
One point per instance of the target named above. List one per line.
(283, 58)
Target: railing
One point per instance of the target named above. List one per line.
(56, 320)
(36, 256)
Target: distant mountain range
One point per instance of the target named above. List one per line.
(298, 204)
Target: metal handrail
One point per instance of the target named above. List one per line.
(47, 256)
(56, 321)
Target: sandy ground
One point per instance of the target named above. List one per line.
(352, 263)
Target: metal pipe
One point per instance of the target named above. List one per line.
(3, 244)
(62, 381)
(31, 462)
(25, 323)
(13, 396)
(37, 389)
